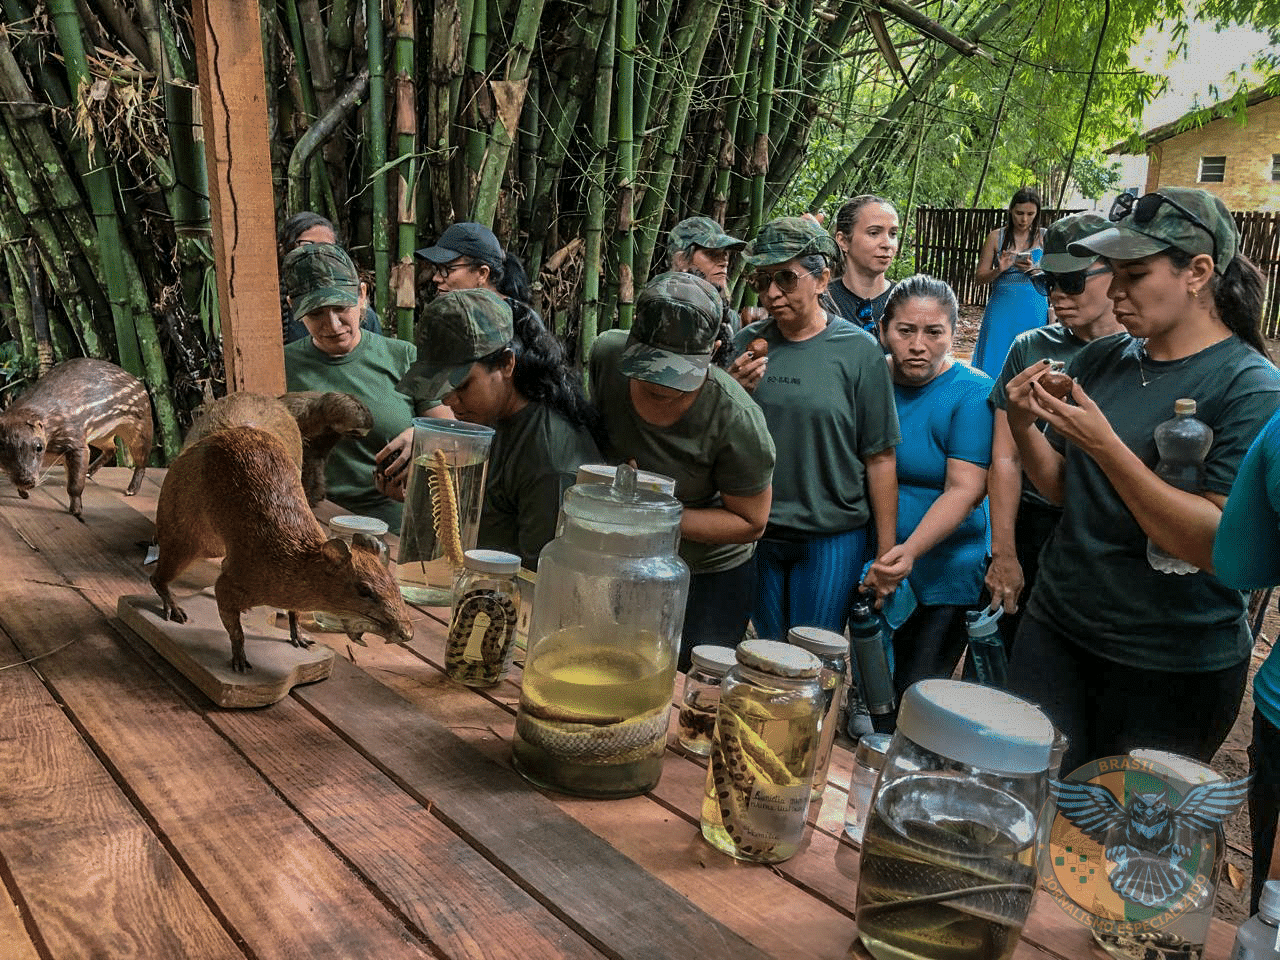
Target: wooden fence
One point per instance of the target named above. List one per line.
(948, 242)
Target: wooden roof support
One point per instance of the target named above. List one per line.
(241, 198)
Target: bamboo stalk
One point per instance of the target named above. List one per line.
(407, 171)
(477, 77)
(624, 243)
(446, 65)
(596, 176)
(759, 165)
(737, 84)
(377, 146)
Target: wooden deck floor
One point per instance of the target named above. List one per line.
(371, 815)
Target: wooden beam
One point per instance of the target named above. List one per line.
(241, 199)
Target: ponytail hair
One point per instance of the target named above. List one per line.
(542, 372)
(510, 279)
(924, 287)
(1238, 295)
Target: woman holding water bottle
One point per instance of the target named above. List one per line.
(1122, 655)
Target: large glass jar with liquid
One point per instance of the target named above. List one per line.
(608, 610)
(948, 862)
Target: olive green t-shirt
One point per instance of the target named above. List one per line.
(1095, 583)
(829, 404)
(534, 458)
(721, 445)
(370, 372)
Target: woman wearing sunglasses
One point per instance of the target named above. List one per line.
(1119, 654)
(1021, 519)
(867, 235)
(825, 391)
(1009, 259)
(942, 465)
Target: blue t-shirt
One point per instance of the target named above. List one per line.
(947, 418)
(1246, 551)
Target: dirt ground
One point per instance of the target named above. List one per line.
(1232, 760)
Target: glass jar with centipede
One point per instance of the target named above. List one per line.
(482, 628)
(763, 752)
(608, 610)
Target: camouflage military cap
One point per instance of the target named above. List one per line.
(454, 331)
(787, 238)
(674, 332)
(319, 275)
(1185, 218)
(700, 232)
(1065, 232)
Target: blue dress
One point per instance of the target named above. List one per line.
(1015, 307)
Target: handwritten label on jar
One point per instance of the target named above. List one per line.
(775, 814)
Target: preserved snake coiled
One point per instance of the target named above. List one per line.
(493, 612)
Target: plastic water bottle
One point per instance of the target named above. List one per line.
(1259, 937)
(986, 646)
(873, 665)
(1183, 443)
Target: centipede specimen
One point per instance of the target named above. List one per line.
(444, 508)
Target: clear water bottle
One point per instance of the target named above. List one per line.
(986, 646)
(1183, 443)
(869, 647)
(1259, 937)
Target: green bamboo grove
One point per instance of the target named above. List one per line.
(580, 131)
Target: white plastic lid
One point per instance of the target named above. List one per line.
(713, 658)
(779, 659)
(491, 561)
(1269, 902)
(871, 749)
(604, 473)
(982, 726)
(1190, 771)
(352, 524)
(824, 643)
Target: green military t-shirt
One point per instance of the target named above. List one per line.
(1095, 583)
(721, 445)
(1052, 342)
(534, 458)
(369, 372)
(829, 404)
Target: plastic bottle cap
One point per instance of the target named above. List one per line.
(824, 643)
(352, 524)
(982, 726)
(491, 561)
(1269, 902)
(713, 658)
(780, 659)
(605, 472)
(871, 749)
(982, 623)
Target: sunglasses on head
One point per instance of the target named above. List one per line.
(1143, 210)
(761, 281)
(1069, 283)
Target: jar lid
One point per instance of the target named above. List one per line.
(779, 659)
(1184, 406)
(1269, 902)
(622, 506)
(984, 727)
(871, 749)
(1189, 771)
(352, 524)
(605, 472)
(491, 561)
(823, 643)
(713, 658)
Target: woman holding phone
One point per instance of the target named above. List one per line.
(1008, 259)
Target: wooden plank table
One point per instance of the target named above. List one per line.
(374, 814)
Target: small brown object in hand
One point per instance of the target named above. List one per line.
(759, 347)
(1056, 383)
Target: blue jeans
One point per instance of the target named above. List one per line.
(807, 583)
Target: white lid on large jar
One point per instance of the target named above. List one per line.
(713, 658)
(779, 659)
(824, 643)
(622, 506)
(352, 524)
(491, 561)
(605, 472)
(981, 726)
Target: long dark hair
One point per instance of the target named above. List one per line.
(297, 225)
(847, 219)
(543, 375)
(925, 287)
(510, 279)
(1024, 195)
(1238, 295)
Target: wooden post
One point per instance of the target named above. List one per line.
(234, 117)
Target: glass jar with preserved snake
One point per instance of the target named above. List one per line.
(482, 629)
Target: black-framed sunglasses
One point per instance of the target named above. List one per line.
(761, 281)
(1072, 284)
(1144, 208)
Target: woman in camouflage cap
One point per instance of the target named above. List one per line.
(825, 391)
(1122, 651)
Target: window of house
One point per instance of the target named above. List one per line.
(1212, 169)
(1275, 166)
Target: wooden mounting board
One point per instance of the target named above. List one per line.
(201, 651)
